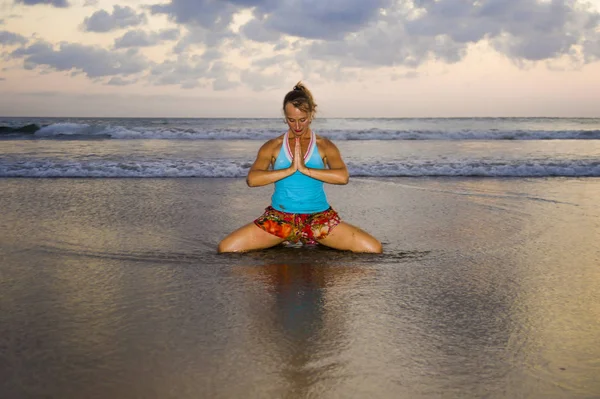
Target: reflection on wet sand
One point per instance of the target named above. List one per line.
(302, 320)
(487, 288)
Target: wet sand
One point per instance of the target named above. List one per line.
(111, 288)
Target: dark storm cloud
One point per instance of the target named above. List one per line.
(55, 3)
(121, 17)
(90, 60)
(10, 38)
(139, 38)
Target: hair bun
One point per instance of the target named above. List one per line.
(301, 98)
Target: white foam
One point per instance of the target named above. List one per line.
(82, 130)
(58, 129)
(238, 169)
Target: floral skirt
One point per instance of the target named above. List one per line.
(294, 227)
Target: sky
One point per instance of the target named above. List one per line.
(360, 58)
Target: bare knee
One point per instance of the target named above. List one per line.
(375, 247)
(226, 245)
(370, 244)
(222, 247)
(247, 238)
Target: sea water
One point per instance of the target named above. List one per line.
(159, 147)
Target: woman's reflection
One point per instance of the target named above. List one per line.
(303, 320)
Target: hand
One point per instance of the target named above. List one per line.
(299, 159)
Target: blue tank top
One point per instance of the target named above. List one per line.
(299, 193)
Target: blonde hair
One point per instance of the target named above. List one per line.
(301, 98)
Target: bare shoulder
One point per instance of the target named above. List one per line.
(271, 147)
(325, 144)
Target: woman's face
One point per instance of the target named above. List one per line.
(298, 121)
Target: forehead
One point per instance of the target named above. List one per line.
(294, 113)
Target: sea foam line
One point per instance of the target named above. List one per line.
(69, 130)
(238, 169)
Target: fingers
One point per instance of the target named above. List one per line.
(297, 154)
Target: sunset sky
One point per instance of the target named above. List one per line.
(361, 58)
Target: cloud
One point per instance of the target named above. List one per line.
(591, 49)
(90, 3)
(301, 18)
(257, 31)
(258, 80)
(215, 15)
(522, 29)
(195, 71)
(406, 75)
(139, 38)
(204, 38)
(331, 19)
(91, 60)
(9, 38)
(329, 39)
(358, 33)
(118, 81)
(55, 3)
(279, 60)
(222, 84)
(121, 17)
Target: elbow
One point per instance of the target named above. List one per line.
(345, 178)
(252, 181)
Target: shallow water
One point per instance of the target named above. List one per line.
(487, 288)
(233, 158)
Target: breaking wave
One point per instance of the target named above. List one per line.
(237, 169)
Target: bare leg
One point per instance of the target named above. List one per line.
(350, 238)
(247, 238)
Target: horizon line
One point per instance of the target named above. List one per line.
(318, 118)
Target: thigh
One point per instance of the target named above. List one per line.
(247, 238)
(351, 238)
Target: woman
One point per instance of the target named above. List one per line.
(299, 162)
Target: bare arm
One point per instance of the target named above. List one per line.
(337, 172)
(260, 174)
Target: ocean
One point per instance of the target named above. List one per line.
(378, 147)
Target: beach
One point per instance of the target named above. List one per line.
(466, 138)
(487, 287)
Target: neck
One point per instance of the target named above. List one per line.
(293, 135)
